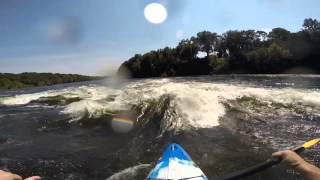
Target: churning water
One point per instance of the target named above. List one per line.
(226, 123)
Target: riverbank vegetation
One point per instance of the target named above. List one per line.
(246, 51)
(16, 81)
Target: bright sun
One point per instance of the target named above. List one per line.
(155, 13)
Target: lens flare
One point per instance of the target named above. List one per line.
(179, 34)
(122, 124)
(155, 13)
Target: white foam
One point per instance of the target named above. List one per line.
(25, 98)
(198, 104)
(94, 93)
(129, 172)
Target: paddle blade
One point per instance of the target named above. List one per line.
(311, 143)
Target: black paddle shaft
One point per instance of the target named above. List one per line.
(257, 168)
(252, 170)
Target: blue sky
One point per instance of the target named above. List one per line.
(95, 36)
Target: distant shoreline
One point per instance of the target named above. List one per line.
(235, 74)
(10, 81)
(233, 52)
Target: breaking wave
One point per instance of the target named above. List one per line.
(187, 104)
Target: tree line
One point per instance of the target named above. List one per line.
(16, 81)
(246, 51)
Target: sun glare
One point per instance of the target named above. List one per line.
(155, 13)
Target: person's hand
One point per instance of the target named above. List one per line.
(9, 176)
(33, 178)
(290, 158)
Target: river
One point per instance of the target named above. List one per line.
(226, 123)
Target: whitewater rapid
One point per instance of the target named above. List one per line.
(224, 123)
(197, 104)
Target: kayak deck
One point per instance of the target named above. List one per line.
(176, 164)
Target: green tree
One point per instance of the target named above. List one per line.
(311, 25)
(206, 41)
(262, 36)
(233, 41)
(279, 35)
(187, 50)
